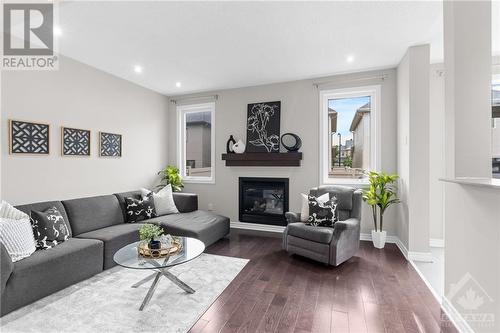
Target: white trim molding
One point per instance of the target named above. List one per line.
(436, 242)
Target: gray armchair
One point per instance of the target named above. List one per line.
(331, 246)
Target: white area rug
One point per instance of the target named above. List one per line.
(107, 303)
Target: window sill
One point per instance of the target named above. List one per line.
(347, 182)
(198, 181)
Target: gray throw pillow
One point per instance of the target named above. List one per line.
(49, 228)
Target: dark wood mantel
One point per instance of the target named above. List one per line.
(263, 159)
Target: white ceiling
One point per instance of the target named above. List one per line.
(216, 45)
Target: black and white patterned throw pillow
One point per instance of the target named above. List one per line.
(140, 209)
(49, 228)
(322, 214)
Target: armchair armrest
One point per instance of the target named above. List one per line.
(345, 241)
(6, 267)
(186, 202)
(292, 217)
(351, 223)
(348, 229)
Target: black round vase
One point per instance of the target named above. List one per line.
(154, 245)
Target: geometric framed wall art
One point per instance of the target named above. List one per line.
(75, 142)
(110, 144)
(28, 138)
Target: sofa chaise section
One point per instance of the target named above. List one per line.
(190, 222)
(205, 226)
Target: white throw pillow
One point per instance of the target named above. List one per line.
(164, 200)
(16, 233)
(304, 212)
(8, 211)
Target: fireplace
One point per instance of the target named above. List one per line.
(263, 200)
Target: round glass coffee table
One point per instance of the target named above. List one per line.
(129, 257)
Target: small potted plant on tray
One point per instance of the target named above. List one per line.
(150, 233)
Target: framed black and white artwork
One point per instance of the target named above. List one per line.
(28, 138)
(110, 144)
(75, 142)
(263, 127)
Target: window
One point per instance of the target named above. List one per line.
(196, 150)
(348, 134)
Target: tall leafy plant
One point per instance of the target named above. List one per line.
(170, 175)
(381, 194)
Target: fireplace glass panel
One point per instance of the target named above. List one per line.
(264, 201)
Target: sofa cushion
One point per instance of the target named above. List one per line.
(205, 226)
(316, 234)
(48, 271)
(42, 206)
(114, 238)
(87, 214)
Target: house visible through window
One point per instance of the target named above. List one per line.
(196, 153)
(348, 126)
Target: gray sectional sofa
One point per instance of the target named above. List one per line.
(98, 230)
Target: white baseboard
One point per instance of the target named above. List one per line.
(420, 256)
(455, 317)
(409, 255)
(438, 297)
(436, 242)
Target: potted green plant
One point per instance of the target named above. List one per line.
(170, 175)
(149, 233)
(380, 195)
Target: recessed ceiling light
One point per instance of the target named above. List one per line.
(57, 31)
(350, 58)
(137, 69)
(178, 84)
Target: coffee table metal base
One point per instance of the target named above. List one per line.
(156, 276)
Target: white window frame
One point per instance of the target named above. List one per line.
(182, 111)
(375, 130)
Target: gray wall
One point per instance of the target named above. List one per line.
(83, 97)
(299, 114)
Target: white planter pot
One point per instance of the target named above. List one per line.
(378, 239)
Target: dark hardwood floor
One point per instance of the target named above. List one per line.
(376, 291)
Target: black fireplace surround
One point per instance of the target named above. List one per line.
(263, 200)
